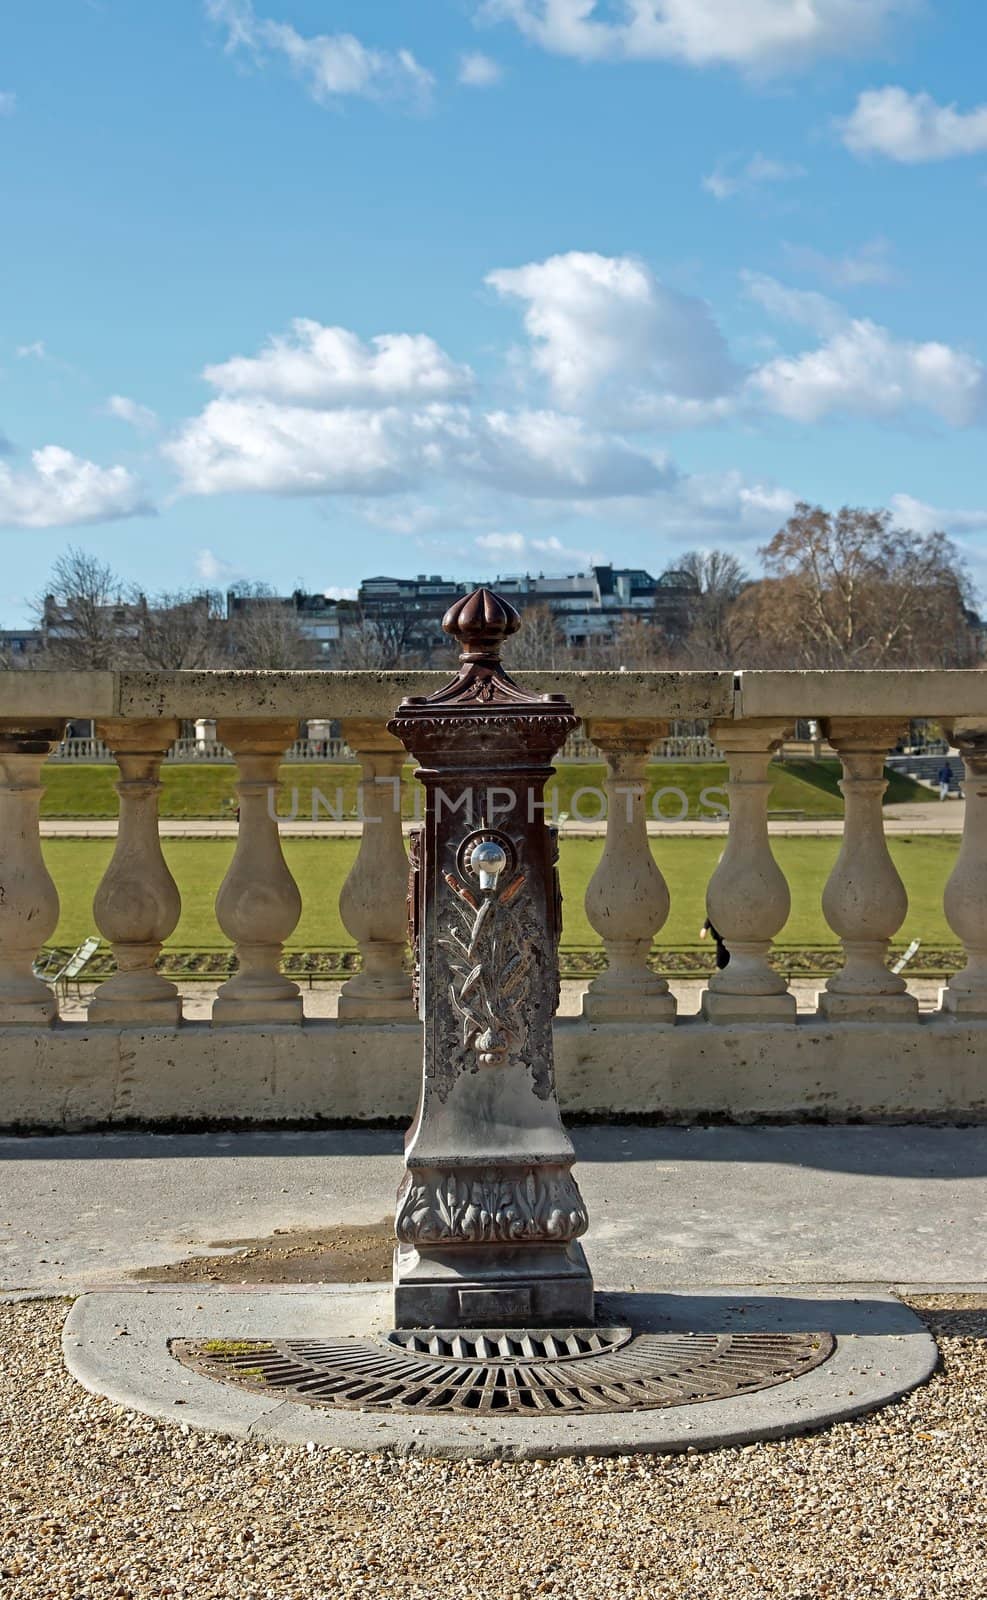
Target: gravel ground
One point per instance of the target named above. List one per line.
(99, 1502)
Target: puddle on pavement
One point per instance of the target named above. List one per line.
(353, 1253)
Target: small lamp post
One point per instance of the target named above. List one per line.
(489, 1214)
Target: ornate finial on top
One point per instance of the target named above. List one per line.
(480, 623)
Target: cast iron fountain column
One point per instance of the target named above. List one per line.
(489, 1214)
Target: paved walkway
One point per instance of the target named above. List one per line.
(669, 1207)
(917, 817)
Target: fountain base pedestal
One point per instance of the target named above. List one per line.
(495, 1286)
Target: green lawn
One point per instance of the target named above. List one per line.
(77, 790)
(320, 865)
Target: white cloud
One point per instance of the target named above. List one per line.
(33, 352)
(333, 66)
(924, 518)
(703, 507)
(319, 412)
(389, 423)
(477, 71)
(546, 554)
(410, 514)
(912, 127)
(502, 544)
(691, 509)
(865, 371)
(259, 446)
(861, 369)
(131, 411)
(211, 568)
(726, 499)
(727, 180)
(545, 454)
(607, 334)
(8, 102)
(336, 593)
(758, 36)
(60, 489)
(869, 264)
(321, 366)
(802, 306)
(553, 550)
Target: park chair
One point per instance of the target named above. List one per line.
(71, 970)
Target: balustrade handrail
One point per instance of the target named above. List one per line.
(304, 695)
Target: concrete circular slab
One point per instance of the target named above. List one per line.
(117, 1344)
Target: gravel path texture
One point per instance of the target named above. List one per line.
(100, 1502)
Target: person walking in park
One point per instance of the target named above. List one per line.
(944, 778)
(722, 953)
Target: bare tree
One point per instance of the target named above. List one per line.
(384, 642)
(263, 630)
(850, 589)
(539, 645)
(180, 631)
(720, 579)
(637, 645)
(83, 616)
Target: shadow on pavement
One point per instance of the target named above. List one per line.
(900, 1151)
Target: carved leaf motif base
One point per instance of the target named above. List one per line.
(491, 1246)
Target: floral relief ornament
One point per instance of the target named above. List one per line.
(490, 953)
(490, 1205)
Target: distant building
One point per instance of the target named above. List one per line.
(588, 606)
(18, 645)
(675, 600)
(118, 619)
(62, 623)
(407, 612)
(978, 636)
(316, 616)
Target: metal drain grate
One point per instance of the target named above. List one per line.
(514, 1345)
(526, 1372)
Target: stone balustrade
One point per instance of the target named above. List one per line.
(864, 1051)
(205, 752)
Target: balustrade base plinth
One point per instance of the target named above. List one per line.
(229, 1013)
(956, 1003)
(39, 1013)
(629, 1005)
(725, 1008)
(492, 1286)
(835, 1007)
(163, 1013)
(375, 1008)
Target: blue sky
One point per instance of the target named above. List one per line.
(306, 290)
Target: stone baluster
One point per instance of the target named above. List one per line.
(373, 900)
(627, 898)
(747, 898)
(28, 898)
(137, 904)
(864, 900)
(258, 904)
(965, 901)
